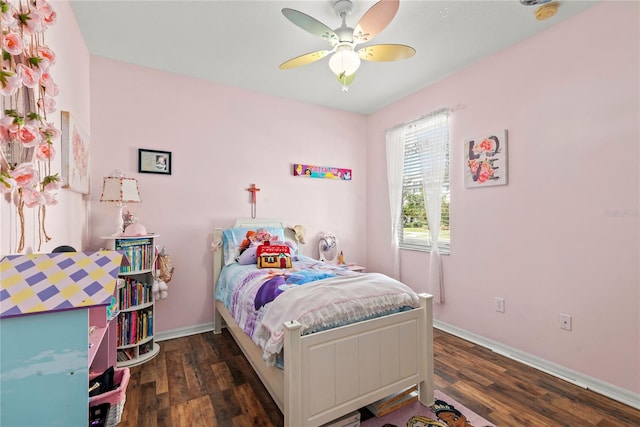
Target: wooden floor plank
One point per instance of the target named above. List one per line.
(178, 389)
(204, 380)
(147, 404)
(222, 375)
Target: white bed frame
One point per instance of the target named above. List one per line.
(332, 373)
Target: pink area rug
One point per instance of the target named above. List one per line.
(446, 412)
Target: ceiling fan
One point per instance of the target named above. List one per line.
(343, 40)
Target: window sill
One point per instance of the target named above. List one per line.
(444, 251)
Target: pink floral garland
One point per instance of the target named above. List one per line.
(27, 90)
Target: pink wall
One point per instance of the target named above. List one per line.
(569, 98)
(222, 139)
(66, 223)
(562, 236)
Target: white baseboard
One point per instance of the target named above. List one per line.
(614, 392)
(183, 332)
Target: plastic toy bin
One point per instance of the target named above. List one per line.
(115, 398)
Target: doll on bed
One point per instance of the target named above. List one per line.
(250, 238)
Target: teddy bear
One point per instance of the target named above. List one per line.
(160, 289)
(300, 232)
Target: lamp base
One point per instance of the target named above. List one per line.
(120, 220)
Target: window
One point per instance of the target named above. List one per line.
(432, 132)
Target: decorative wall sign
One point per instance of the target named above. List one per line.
(154, 161)
(75, 155)
(486, 160)
(325, 172)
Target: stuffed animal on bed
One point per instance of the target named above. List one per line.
(300, 231)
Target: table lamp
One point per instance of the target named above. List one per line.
(120, 190)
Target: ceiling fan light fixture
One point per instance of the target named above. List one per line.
(344, 61)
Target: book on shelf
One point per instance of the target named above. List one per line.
(139, 253)
(134, 326)
(134, 293)
(394, 401)
(126, 354)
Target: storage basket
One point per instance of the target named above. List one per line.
(115, 398)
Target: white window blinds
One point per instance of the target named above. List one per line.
(432, 133)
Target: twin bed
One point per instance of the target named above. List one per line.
(316, 365)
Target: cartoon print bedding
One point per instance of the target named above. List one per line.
(316, 294)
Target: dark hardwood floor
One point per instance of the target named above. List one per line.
(204, 380)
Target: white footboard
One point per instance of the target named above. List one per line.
(331, 373)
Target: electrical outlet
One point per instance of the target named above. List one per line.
(565, 322)
(500, 304)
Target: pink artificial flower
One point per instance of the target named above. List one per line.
(46, 53)
(12, 127)
(7, 184)
(4, 135)
(28, 75)
(50, 132)
(48, 14)
(49, 198)
(47, 104)
(52, 183)
(52, 89)
(45, 152)
(10, 83)
(8, 18)
(32, 197)
(43, 64)
(34, 22)
(47, 82)
(9, 123)
(29, 135)
(7, 128)
(45, 79)
(25, 175)
(12, 43)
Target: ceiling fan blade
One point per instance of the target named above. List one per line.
(311, 25)
(375, 20)
(305, 59)
(386, 52)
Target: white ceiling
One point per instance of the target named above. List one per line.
(242, 43)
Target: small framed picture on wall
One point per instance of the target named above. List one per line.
(154, 161)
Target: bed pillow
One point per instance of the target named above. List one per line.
(273, 256)
(232, 239)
